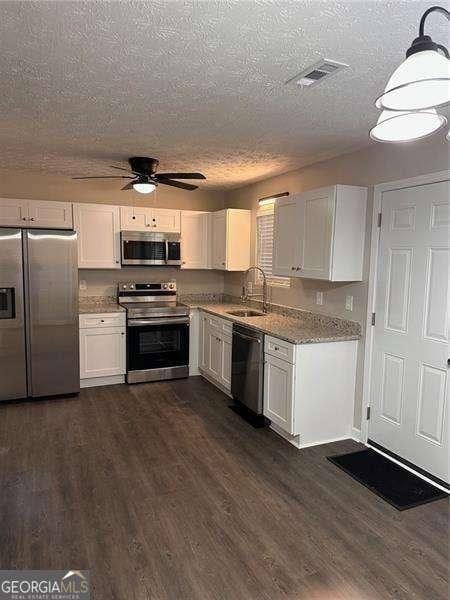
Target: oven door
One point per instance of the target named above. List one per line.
(143, 249)
(157, 343)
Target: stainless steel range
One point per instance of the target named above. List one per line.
(157, 331)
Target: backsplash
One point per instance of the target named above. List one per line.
(103, 282)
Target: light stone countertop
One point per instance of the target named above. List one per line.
(99, 304)
(309, 328)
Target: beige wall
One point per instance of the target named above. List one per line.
(103, 282)
(42, 186)
(372, 165)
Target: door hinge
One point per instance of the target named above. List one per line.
(373, 319)
(379, 219)
(368, 413)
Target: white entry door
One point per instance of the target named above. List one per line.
(409, 390)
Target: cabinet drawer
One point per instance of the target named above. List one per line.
(279, 348)
(220, 325)
(102, 320)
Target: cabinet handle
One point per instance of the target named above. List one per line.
(122, 333)
(31, 218)
(133, 217)
(117, 262)
(102, 320)
(276, 348)
(24, 218)
(184, 262)
(292, 268)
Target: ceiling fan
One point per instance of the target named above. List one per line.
(145, 178)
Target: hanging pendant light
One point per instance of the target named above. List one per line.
(397, 126)
(422, 81)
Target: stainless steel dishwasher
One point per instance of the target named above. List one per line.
(247, 374)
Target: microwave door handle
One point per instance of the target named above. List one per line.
(167, 252)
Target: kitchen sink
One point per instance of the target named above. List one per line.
(245, 313)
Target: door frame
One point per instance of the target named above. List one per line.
(378, 191)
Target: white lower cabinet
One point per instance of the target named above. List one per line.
(279, 393)
(215, 350)
(309, 390)
(102, 349)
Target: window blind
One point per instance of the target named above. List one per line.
(265, 224)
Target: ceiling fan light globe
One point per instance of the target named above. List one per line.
(144, 188)
(420, 82)
(397, 127)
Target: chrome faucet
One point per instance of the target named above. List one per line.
(246, 296)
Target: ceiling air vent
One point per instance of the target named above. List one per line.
(317, 72)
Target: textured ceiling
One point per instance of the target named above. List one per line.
(199, 85)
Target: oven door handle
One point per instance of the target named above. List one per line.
(164, 321)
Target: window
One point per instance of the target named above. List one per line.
(264, 248)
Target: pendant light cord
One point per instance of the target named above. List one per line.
(440, 9)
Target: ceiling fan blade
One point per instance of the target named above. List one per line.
(129, 186)
(179, 184)
(105, 177)
(127, 170)
(182, 175)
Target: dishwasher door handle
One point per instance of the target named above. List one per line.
(247, 337)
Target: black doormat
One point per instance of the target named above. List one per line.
(386, 479)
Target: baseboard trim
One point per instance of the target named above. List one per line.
(295, 440)
(97, 381)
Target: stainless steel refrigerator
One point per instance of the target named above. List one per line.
(39, 353)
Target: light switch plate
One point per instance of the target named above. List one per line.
(349, 303)
(319, 298)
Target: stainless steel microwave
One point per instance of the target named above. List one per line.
(150, 249)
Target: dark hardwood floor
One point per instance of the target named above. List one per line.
(164, 493)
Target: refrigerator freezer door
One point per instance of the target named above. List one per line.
(52, 312)
(13, 374)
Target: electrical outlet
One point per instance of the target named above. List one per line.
(82, 285)
(349, 303)
(319, 298)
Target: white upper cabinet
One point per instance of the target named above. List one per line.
(319, 234)
(286, 247)
(13, 213)
(230, 239)
(195, 245)
(166, 220)
(98, 227)
(135, 218)
(35, 213)
(50, 214)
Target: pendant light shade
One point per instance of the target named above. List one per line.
(422, 81)
(396, 126)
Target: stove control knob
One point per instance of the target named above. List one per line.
(124, 287)
(164, 287)
(131, 287)
(171, 286)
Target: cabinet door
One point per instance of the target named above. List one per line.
(215, 356)
(166, 220)
(279, 392)
(226, 362)
(98, 236)
(317, 234)
(57, 215)
(219, 240)
(135, 218)
(13, 213)
(204, 343)
(287, 242)
(102, 352)
(194, 240)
